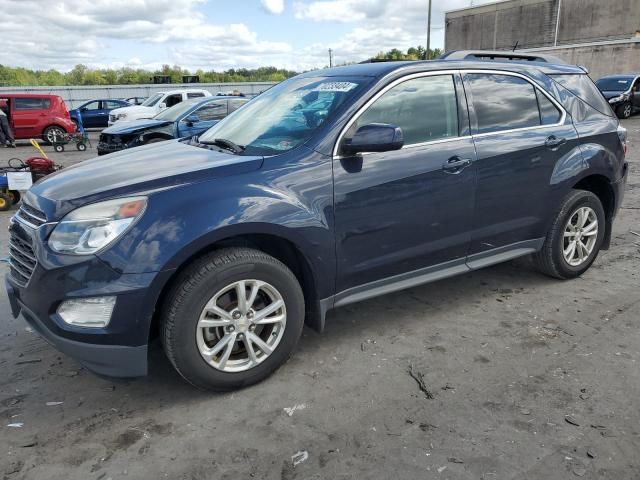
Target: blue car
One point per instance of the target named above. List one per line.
(330, 188)
(95, 113)
(186, 119)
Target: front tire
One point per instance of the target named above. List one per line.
(625, 110)
(575, 238)
(232, 318)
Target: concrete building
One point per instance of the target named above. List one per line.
(602, 35)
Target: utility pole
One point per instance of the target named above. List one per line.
(555, 39)
(428, 32)
(330, 58)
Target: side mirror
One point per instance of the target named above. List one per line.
(162, 106)
(375, 137)
(191, 119)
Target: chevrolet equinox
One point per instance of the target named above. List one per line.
(330, 188)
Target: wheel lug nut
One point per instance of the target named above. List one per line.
(236, 315)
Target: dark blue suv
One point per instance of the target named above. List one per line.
(330, 188)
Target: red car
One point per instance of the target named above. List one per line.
(37, 115)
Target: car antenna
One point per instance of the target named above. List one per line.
(515, 46)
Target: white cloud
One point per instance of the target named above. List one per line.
(273, 6)
(64, 33)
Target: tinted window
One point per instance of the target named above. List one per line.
(583, 87)
(172, 100)
(32, 103)
(425, 108)
(235, 104)
(195, 94)
(503, 102)
(549, 113)
(212, 111)
(111, 105)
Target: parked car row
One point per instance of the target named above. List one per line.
(330, 188)
(46, 116)
(622, 92)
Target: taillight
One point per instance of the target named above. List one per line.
(622, 134)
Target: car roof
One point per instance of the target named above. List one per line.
(381, 69)
(27, 95)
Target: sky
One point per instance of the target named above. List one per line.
(212, 34)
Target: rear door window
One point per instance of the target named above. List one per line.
(503, 102)
(549, 113)
(32, 104)
(425, 108)
(195, 94)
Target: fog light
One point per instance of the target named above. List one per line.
(87, 312)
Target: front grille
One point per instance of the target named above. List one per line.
(31, 215)
(22, 259)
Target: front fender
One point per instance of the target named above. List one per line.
(292, 202)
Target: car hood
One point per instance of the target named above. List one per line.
(124, 127)
(137, 110)
(610, 94)
(132, 172)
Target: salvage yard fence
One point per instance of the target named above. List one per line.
(76, 95)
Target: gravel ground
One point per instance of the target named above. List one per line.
(498, 374)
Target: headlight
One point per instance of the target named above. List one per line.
(619, 98)
(121, 116)
(89, 229)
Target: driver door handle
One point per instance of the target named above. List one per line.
(456, 164)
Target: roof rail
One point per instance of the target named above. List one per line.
(491, 55)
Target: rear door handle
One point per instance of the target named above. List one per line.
(456, 164)
(554, 142)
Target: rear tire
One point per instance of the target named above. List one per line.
(213, 282)
(580, 220)
(625, 110)
(5, 202)
(53, 134)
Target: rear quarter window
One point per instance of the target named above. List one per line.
(583, 88)
(32, 103)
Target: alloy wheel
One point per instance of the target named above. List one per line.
(241, 325)
(580, 236)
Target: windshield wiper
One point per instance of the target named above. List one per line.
(226, 144)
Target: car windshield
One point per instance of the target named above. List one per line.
(286, 115)
(172, 114)
(614, 84)
(152, 100)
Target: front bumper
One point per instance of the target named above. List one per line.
(118, 349)
(109, 360)
(105, 148)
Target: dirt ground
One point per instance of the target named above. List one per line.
(498, 374)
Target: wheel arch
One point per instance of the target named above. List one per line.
(279, 247)
(601, 187)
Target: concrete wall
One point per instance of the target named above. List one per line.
(74, 96)
(532, 23)
(601, 59)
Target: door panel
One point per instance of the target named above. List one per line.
(401, 211)
(30, 116)
(523, 141)
(516, 195)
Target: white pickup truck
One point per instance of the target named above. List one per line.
(154, 105)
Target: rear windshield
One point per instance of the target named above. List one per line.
(614, 84)
(585, 89)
